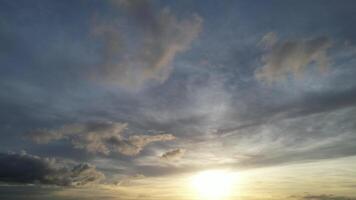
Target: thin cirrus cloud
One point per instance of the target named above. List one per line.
(99, 137)
(162, 37)
(291, 57)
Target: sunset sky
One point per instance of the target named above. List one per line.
(177, 100)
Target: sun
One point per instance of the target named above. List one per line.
(213, 184)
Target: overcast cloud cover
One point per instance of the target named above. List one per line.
(105, 92)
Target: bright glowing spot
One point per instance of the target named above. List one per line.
(214, 184)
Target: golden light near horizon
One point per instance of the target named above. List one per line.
(213, 184)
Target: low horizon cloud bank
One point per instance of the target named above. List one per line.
(25, 168)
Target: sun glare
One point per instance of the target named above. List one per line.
(213, 184)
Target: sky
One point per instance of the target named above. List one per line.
(132, 99)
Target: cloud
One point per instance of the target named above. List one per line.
(94, 140)
(84, 174)
(173, 154)
(325, 135)
(99, 137)
(128, 180)
(327, 197)
(135, 144)
(291, 57)
(26, 169)
(89, 136)
(43, 136)
(268, 40)
(160, 37)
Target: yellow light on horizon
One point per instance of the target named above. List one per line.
(213, 184)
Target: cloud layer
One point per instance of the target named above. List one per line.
(107, 82)
(26, 168)
(326, 197)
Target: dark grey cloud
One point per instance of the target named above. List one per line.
(26, 192)
(174, 154)
(25, 168)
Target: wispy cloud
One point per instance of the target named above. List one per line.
(291, 57)
(134, 144)
(99, 137)
(174, 154)
(162, 37)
